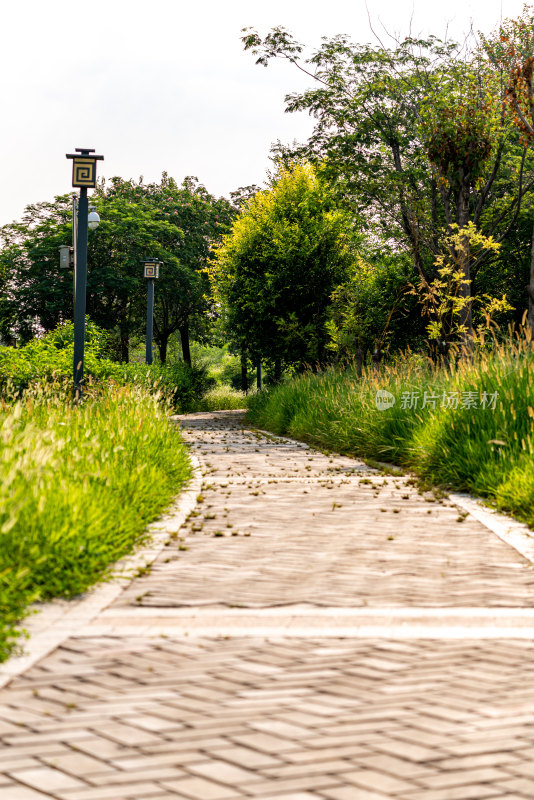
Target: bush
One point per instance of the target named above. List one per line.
(78, 487)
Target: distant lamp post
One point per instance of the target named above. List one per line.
(83, 178)
(151, 266)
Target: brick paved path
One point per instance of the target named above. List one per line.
(125, 711)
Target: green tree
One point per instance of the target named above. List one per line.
(275, 272)
(176, 224)
(511, 51)
(37, 293)
(196, 221)
(413, 136)
(370, 311)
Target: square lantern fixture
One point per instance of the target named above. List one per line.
(151, 266)
(84, 168)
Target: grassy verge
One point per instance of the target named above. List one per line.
(78, 487)
(473, 432)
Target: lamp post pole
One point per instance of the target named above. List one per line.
(149, 320)
(74, 241)
(151, 273)
(80, 282)
(83, 177)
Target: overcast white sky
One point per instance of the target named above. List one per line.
(159, 85)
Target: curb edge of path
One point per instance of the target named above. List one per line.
(516, 534)
(57, 620)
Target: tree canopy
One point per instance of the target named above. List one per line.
(178, 224)
(274, 273)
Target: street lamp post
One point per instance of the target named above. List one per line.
(83, 177)
(151, 266)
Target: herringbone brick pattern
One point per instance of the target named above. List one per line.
(234, 718)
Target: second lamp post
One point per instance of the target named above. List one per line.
(151, 266)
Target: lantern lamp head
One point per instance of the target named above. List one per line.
(84, 167)
(151, 266)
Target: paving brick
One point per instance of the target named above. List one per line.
(245, 757)
(77, 764)
(200, 789)
(518, 785)
(132, 791)
(394, 766)
(224, 773)
(352, 793)
(465, 777)
(471, 792)
(293, 796)
(377, 781)
(266, 743)
(23, 793)
(47, 779)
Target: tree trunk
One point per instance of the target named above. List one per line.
(359, 361)
(244, 373)
(530, 288)
(376, 359)
(163, 341)
(184, 338)
(466, 313)
(125, 346)
(258, 375)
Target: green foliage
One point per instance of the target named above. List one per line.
(189, 222)
(485, 450)
(51, 358)
(177, 224)
(461, 122)
(182, 384)
(411, 138)
(78, 487)
(276, 270)
(446, 300)
(511, 51)
(366, 310)
(223, 366)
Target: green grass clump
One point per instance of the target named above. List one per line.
(485, 450)
(78, 486)
(222, 398)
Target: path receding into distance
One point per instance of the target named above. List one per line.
(316, 630)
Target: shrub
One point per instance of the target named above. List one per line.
(51, 357)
